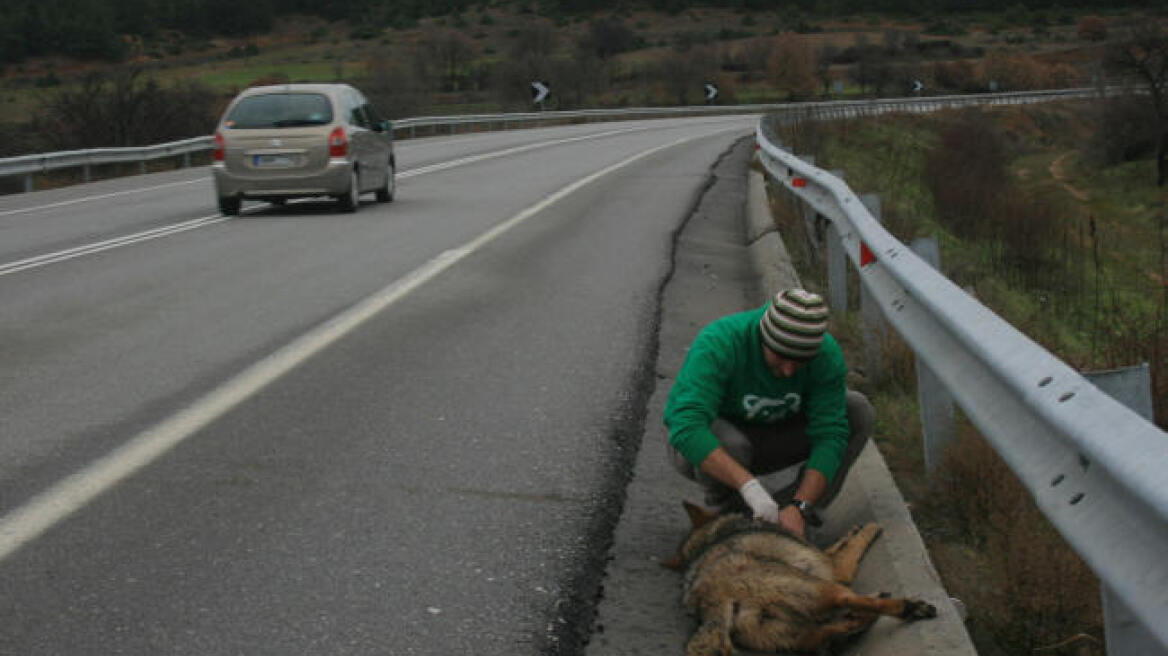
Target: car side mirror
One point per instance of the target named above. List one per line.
(383, 126)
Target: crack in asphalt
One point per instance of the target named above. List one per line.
(571, 629)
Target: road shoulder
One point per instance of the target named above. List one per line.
(716, 272)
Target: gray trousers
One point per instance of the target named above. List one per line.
(767, 448)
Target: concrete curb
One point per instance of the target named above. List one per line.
(900, 548)
(768, 253)
(641, 611)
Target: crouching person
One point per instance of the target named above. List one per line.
(763, 391)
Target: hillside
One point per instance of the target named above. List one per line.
(484, 57)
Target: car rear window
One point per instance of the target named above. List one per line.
(280, 110)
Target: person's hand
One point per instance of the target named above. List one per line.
(760, 501)
(791, 519)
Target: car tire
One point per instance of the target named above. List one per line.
(228, 205)
(351, 199)
(386, 192)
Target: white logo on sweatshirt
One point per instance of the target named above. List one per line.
(764, 409)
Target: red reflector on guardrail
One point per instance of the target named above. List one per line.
(866, 255)
(798, 182)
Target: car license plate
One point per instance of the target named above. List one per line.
(272, 161)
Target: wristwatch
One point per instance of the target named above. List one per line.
(808, 511)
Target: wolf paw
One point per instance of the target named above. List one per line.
(915, 609)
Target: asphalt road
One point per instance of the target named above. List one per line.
(404, 431)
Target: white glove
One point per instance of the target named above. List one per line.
(759, 500)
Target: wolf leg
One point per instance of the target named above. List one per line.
(906, 609)
(843, 541)
(821, 636)
(713, 637)
(847, 552)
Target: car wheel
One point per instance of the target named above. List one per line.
(349, 201)
(385, 193)
(228, 205)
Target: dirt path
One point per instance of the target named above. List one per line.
(1057, 172)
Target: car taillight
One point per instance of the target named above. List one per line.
(219, 149)
(338, 143)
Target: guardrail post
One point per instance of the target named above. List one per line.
(810, 222)
(142, 167)
(1123, 633)
(85, 172)
(874, 329)
(186, 160)
(935, 401)
(28, 183)
(837, 266)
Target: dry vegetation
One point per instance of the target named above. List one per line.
(1056, 242)
(483, 59)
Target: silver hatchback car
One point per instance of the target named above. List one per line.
(302, 140)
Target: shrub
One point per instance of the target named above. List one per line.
(792, 69)
(364, 32)
(965, 171)
(1092, 28)
(125, 109)
(607, 38)
(957, 76)
(1032, 590)
(1124, 132)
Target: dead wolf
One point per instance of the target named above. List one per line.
(753, 584)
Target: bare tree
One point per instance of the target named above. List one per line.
(395, 84)
(535, 40)
(824, 58)
(893, 39)
(124, 109)
(609, 37)
(1141, 55)
(452, 52)
(582, 79)
(684, 73)
(792, 67)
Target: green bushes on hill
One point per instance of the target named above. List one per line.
(98, 29)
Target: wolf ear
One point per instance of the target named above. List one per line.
(698, 516)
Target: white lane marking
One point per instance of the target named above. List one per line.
(411, 173)
(45, 510)
(113, 194)
(422, 170)
(109, 244)
(165, 231)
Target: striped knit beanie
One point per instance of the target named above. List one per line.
(794, 324)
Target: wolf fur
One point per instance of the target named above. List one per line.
(751, 583)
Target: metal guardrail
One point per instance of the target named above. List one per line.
(1095, 467)
(841, 107)
(30, 165)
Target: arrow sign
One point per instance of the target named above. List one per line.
(539, 91)
(711, 92)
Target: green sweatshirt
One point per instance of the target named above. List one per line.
(725, 375)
